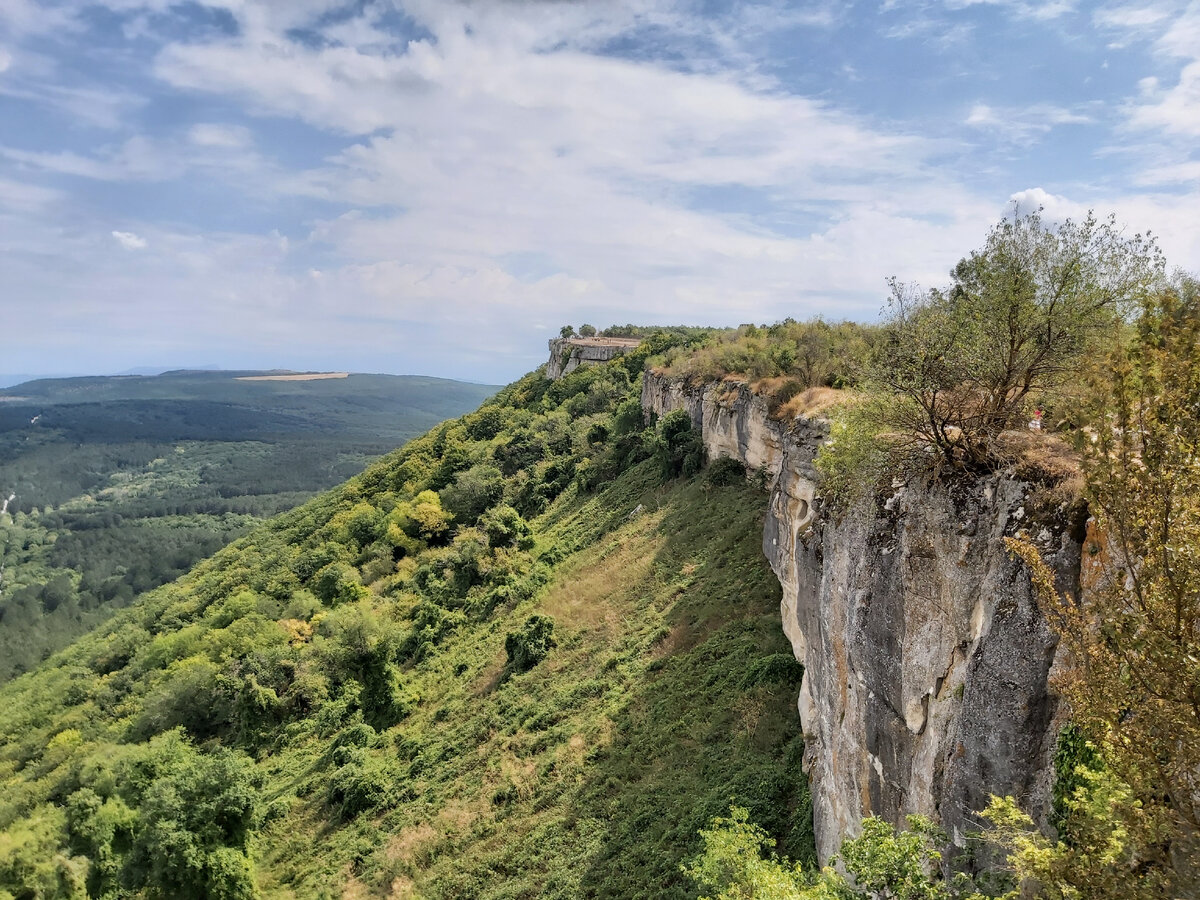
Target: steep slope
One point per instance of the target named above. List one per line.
(509, 660)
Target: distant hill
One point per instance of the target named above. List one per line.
(121, 483)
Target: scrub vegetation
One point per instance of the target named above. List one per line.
(479, 669)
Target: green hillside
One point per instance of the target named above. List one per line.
(530, 654)
(121, 484)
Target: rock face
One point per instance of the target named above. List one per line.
(926, 658)
(568, 354)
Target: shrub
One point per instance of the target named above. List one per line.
(338, 583)
(529, 646)
(362, 784)
(679, 447)
(725, 471)
(855, 457)
(505, 528)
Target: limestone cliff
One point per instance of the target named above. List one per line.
(926, 658)
(568, 354)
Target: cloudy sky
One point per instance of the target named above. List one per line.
(435, 186)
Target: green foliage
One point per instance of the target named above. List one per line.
(473, 492)
(364, 782)
(504, 527)
(1133, 686)
(195, 822)
(338, 583)
(805, 354)
(857, 455)
(1016, 321)
(532, 644)
(897, 865)
(1144, 485)
(124, 484)
(678, 446)
(1115, 850)
(724, 471)
(739, 863)
(351, 655)
(1072, 752)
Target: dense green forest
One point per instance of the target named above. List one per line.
(121, 484)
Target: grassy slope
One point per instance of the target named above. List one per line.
(590, 775)
(669, 694)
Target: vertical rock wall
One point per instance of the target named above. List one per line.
(926, 657)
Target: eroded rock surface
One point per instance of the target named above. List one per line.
(927, 659)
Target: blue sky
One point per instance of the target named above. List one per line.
(436, 186)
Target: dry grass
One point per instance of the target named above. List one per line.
(813, 402)
(582, 596)
(403, 888)
(352, 888)
(1043, 458)
(412, 844)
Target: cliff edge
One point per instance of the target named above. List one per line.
(926, 659)
(568, 354)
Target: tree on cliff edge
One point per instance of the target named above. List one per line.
(1017, 318)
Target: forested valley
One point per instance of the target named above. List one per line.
(117, 485)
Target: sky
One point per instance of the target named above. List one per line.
(436, 186)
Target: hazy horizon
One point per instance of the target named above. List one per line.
(7, 378)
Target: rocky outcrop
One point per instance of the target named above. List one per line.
(568, 354)
(926, 658)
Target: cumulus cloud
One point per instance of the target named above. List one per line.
(129, 240)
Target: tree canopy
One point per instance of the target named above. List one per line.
(1019, 314)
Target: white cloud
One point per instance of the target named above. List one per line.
(227, 137)
(1173, 173)
(1173, 110)
(24, 197)
(491, 150)
(1054, 207)
(137, 159)
(1132, 16)
(1025, 124)
(684, 181)
(129, 240)
(1170, 217)
(1038, 10)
